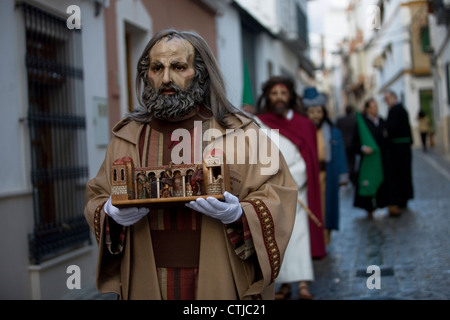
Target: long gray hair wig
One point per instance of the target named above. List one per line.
(215, 101)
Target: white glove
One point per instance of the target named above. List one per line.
(125, 216)
(227, 212)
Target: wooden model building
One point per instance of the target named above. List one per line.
(167, 184)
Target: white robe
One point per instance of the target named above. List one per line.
(297, 263)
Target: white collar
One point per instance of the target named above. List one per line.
(290, 114)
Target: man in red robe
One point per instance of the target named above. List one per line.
(297, 142)
(302, 132)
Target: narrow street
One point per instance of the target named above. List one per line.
(412, 250)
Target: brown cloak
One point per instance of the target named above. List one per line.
(268, 202)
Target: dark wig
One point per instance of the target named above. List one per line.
(263, 102)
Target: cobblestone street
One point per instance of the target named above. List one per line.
(412, 250)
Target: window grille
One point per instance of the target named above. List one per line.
(57, 125)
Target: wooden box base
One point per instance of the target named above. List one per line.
(160, 202)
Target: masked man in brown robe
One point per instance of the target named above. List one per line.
(207, 248)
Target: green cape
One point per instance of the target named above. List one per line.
(371, 167)
(247, 93)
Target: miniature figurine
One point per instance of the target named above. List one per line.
(197, 181)
(143, 181)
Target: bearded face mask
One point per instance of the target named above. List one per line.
(176, 80)
(172, 106)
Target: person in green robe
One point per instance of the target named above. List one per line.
(370, 143)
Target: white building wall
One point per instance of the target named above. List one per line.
(395, 35)
(15, 190)
(441, 55)
(283, 61)
(135, 16)
(268, 50)
(229, 52)
(394, 40)
(18, 279)
(441, 47)
(442, 102)
(13, 101)
(266, 55)
(263, 10)
(276, 16)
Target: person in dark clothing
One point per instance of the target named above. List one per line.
(347, 125)
(377, 128)
(400, 186)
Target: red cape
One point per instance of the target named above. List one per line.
(301, 131)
